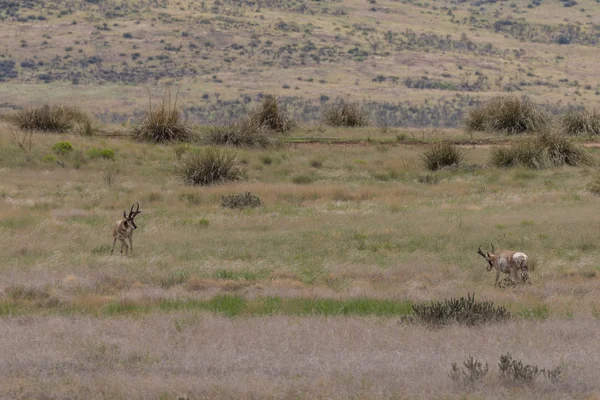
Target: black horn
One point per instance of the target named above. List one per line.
(481, 253)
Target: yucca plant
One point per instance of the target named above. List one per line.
(342, 113)
(510, 115)
(163, 123)
(48, 118)
(247, 132)
(209, 166)
(581, 122)
(441, 155)
(270, 115)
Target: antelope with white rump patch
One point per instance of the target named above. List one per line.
(508, 262)
(123, 229)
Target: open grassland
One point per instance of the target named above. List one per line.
(415, 63)
(303, 296)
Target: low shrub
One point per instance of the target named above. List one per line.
(163, 123)
(342, 113)
(240, 200)
(49, 158)
(87, 127)
(303, 179)
(108, 154)
(48, 118)
(509, 114)
(581, 122)
(441, 155)
(209, 166)
(270, 115)
(462, 311)
(62, 148)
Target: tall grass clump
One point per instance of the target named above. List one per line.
(581, 122)
(546, 150)
(56, 118)
(246, 132)
(209, 166)
(441, 155)
(510, 115)
(163, 123)
(343, 113)
(270, 115)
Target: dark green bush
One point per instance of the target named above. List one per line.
(240, 200)
(209, 166)
(510, 115)
(581, 122)
(163, 123)
(303, 179)
(441, 155)
(270, 115)
(342, 113)
(48, 118)
(462, 311)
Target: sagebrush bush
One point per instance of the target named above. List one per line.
(518, 372)
(462, 311)
(163, 123)
(581, 122)
(546, 150)
(57, 118)
(441, 155)
(240, 200)
(343, 113)
(474, 371)
(507, 114)
(270, 115)
(209, 166)
(247, 132)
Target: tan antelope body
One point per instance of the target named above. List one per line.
(508, 262)
(123, 230)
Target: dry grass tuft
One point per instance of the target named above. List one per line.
(209, 166)
(440, 155)
(47, 118)
(270, 115)
(163, 123)
(343, 113)
(546, 150)
(510, 115)
(247, 132)
(581, 122)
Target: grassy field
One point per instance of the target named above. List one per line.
(301, 297)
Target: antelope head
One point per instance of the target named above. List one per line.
(132, 214)
(487, 257)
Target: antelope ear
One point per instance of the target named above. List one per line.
(124, 215)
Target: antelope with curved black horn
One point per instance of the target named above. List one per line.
(508, 262)
(123, 229)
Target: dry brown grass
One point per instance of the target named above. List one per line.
(281, 357)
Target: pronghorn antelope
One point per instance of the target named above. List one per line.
(123, 229)
(508, 262)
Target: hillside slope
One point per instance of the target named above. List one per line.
(416, 63)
